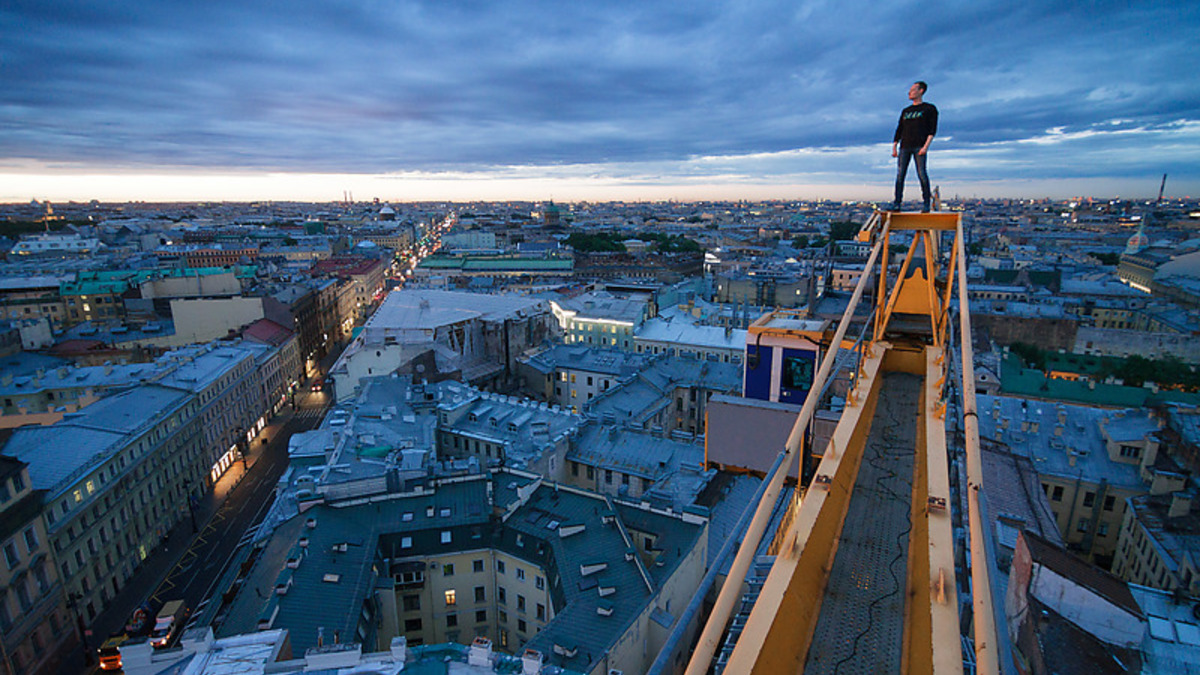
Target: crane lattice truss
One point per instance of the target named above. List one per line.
(864, 573)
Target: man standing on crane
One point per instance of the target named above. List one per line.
(914, 133)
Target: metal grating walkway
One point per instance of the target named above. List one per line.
(861, 627)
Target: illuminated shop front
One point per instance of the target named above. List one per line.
(233, 454)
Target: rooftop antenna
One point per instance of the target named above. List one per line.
(1161, 187)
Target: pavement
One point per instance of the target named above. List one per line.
(149, 575)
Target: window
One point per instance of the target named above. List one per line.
(445, 536)
(608, 476)
(480, 594)
(481, 616)
(477, 565)
(520, 603)
(521, 626)
(448, 569)
(541, 612)
(1102, 529)
(520, 574)
(1084, 524)
(540, 582)
(1057, 494)
(412, 603)
(500, 567)
(1089, 499)
(450, 598)
(1131, 451)
(412, 625)
(451, 620)
(501, 595)
(10, 555)
(406, 542)
(1109, 502)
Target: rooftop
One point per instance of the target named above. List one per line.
(56, 454)
(1061, 440)
(426, 309)
(348, 541)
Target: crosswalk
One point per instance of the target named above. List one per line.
(309, 417)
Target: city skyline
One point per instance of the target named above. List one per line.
(645, 101)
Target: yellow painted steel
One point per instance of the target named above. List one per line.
(714, 627)
(987, 656)
(942, 581)
(931, 629)
(779, 631)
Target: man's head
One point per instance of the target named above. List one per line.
(917, 90)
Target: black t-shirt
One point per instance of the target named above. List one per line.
(917, 122)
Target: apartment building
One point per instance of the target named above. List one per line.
(1159, 544)
(35, 625)
(116, 477)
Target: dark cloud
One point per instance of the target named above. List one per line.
(384, 86)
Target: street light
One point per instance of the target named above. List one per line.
(73, 599)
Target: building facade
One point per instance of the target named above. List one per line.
(35, 626)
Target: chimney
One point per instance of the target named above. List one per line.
(531, 662)
(399, 648)
(1181, 504)
(320, 636)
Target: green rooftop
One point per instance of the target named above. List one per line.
(1017, 380)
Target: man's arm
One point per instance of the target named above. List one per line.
(931, 123)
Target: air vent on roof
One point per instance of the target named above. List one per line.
(568, 530)
(591, 568)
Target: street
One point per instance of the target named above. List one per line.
(188, 565)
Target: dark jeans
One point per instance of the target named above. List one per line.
(902, 170)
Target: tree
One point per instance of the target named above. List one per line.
(843, 230)
(1031, 355)
(800, 241)
(595, 243)
(1136, 370)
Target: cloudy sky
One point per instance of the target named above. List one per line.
(642, 99)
